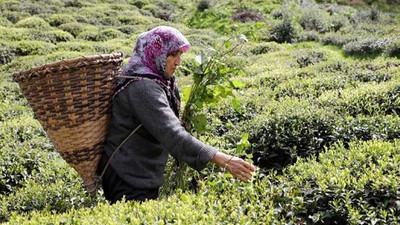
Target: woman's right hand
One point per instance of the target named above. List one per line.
(235, 165)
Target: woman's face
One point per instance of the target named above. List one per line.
(173, 61)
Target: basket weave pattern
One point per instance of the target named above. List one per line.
(71, 99)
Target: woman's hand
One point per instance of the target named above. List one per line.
(236, 166)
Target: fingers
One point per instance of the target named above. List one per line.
(249, 166)
(241, 169)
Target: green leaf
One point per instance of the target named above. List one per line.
(228, 175)
(200, 123)
(236, 105)
(228, 44)
(184, 197)
(244, 143)
(186, 93)
(237, 84)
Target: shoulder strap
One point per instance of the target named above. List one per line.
(93, 186)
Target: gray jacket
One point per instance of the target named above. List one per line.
(141, 160)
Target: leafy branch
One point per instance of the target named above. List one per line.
(211, 83)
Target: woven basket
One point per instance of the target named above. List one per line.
(71, 99)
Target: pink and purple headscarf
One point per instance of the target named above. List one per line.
(151, 51)
(150, 58)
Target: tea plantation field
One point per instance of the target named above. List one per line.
(319, 110)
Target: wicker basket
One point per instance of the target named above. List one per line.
(71, 99)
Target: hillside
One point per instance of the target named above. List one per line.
(317, 109)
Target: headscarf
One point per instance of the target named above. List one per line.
(149, 59)
(151, 51)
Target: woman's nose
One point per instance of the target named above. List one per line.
(178, 60)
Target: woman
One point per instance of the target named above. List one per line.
(149, 97)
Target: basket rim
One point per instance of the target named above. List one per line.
(67, 62)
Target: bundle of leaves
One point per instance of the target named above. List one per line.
(211, 84)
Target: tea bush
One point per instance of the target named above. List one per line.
(139, 3)
(77, 46)
(7, 52)
(17, 166)
(370, 46)
(27, 62)
(305, 58)
(308, 36)
(367, 99)
(24, 48)
(133, 19)
(76, 28)
(348, 186)
(36, 8)
(284, 31)
(14, 17)
(54, 36)
(64, 190)
(128, 29)
(264, 48)
(203, 5)
(394, 48)
(57, 19)
(33, 22)
(164, 11)
(302, 107)
(314, 19)
(344, 186)
(103, 35)
(5, 22)
(333, 39)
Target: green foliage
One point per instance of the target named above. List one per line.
(36, 8)
(7, 52)
(314, 20)
(24, 48)
(203, 5)
(14, 17)
(264, 48)
(76, 28)
(133, 19)
(211, 83)
(304, 103)
(103, 35)
(57, 19)
(33, 22)
(284, 31)
(368, 46)
(351, 185)
(139, 3)
(5, 22)
(394, 49)
(305, 58)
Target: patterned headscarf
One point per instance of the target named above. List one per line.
(151, 51)
(150, 58)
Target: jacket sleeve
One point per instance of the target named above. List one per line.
(150, 106)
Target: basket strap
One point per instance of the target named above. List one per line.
(98, 179)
